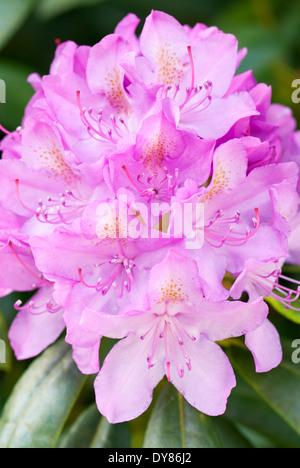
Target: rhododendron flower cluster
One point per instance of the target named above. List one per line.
(146, 170)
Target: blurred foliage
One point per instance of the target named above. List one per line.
(28, 29)
(263, 410)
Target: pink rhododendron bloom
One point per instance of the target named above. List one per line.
(173, 335)
(146, 170)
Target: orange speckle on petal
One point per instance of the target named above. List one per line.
(170, 68)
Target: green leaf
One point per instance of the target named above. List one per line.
(13, 13)
(229, 435)
(81, 432)
(91, 430)
(41, 401)
(279, 388)
(48, 9)
(111, 435)
(17, 90)
(176, 424)
(246, 407)
(293, 315)
(256, 439)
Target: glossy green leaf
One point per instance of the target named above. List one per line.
(91, 430)
(82, 431)
(41, 401)
(293, 315)
(13, 13)
(176, 424)
(111, 435)
(256, 439)
(50, 8)
(229, 435)
(245, 407)
(279, 388)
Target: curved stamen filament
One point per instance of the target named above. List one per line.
(179, 325)
(103, 287)
(271, 287)
(39, 278)
(206, 99)
(4, 130)
(113, 130)
(155, 185)
(168, 364)
(55, 215)
(229, 237)
(190, 91)
(131, 179)
(123, 273)
(168, 328)
(34, 309)
(17, 187)
(158, 334)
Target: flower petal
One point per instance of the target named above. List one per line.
(31, 333)
(124, 385)
(209, 382)
(164, 43)
(222, 320)
(104, 73)
(87, 359)
(175, 279)
(264, 343)
(217, 119)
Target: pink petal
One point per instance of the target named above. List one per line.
(222, 320)
(31, 333)
(215, 59)
(164, 43)
(208, 384)
(87, 359)
(230, 167)
(126, 28)
(264, 343)
(77, 300)
(217, 119)
(34, 185)
(175, 279)
(125, 385)
(115, 326)
(81, 253)
(212, 267)
(64, 58)
(5, 292)
(158, 141)
(43, 149)
(105, 75)
(18, 270)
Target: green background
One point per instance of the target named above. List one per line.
(39, 407)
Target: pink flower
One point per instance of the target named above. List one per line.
(117, 142)
(236, 223)
(174, 336)
(18, 270)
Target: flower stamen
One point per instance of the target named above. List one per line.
(39, 278)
